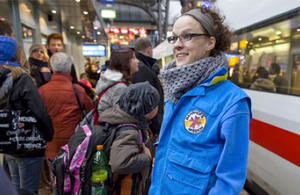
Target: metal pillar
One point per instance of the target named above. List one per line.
(36, 15)
(166, 18)
(15, 18)
(159, 22)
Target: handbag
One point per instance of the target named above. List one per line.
(19, 133)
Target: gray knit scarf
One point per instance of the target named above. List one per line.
(179, 79)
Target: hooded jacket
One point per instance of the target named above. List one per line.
(24, 95)
(146, 72)
(112, 95)
(126, 153)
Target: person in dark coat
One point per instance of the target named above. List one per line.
(38, 61)
(280, 82)
(18, 88)
(148, 72)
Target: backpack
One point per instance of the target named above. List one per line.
(71, 168)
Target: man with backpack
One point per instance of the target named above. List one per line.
(122, 131)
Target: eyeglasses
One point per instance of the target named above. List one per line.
(184, 37)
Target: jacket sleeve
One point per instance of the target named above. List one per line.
(85, 101)
(35, 104)
(125, 156)
(232, 165)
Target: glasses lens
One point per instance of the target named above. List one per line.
(172, 39)
(186, 37)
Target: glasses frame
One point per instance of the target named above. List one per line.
(172, 39)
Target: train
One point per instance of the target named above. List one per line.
(266, 34)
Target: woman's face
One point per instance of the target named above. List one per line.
(38, 54)
(133, 62)
(195, 49)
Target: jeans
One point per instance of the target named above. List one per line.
(25, 172)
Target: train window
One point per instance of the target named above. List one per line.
(269, 56)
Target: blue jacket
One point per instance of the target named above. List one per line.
(203, 143)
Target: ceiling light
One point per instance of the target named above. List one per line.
(83, 36)
(78, 32)
(77, 1)
(95, 27)
(95, 40)
(278, 33)
(298, 29)
(259, 39)
(98, 33)
(85, 12)
(53, 11)
(72, 27)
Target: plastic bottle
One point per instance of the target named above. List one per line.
(99, 172)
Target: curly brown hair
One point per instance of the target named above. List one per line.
(222, 31)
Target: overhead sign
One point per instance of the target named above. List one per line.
(94, 50)
(108, 13)
(107, 1)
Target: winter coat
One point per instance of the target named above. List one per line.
(126, 154)
(263, 85)
(60, 100)
(40, 71)
(147, 73)
(24, 95)
(203, 143)
(112, 95)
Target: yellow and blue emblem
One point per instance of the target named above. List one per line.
(194, 121)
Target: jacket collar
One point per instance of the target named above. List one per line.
(61, 77)
(145, 59)
(220, 75)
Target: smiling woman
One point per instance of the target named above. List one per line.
(204, 112)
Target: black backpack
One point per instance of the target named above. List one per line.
(71, 168)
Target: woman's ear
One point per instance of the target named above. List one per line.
(211, 43)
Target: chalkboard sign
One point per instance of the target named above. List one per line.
(19, 133)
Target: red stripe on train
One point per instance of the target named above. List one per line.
(279, 141)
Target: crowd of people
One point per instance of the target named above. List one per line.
(199, 119)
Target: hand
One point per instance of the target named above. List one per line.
(147, 151)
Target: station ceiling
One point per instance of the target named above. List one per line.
(83, 16)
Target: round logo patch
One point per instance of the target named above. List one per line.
(194, 121)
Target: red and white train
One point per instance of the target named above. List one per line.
(266, 32)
